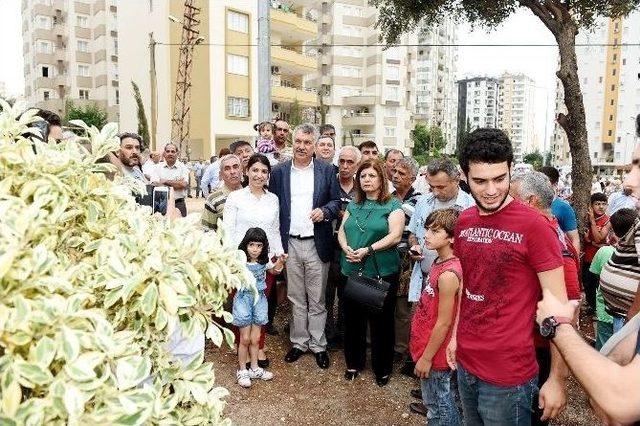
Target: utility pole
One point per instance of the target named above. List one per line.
(154, 94)
(264, 61)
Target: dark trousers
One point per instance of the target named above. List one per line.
(181, 206)
(334, 328)
(382, 331)
(272, 299)
(543, 356)
(590, 283)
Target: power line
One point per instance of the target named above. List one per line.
(410, 45)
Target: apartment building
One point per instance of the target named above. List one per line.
(516, 112)
(609, 75)
(71, 54)
(368, 92)
(477, 104)
(293, 25)
(436, 88)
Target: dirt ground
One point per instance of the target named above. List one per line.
(303, 394)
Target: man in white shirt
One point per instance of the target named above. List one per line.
(174, 174)
(151, 163)
(309, 199)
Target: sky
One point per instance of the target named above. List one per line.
(523, 27)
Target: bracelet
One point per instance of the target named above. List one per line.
(370, 250)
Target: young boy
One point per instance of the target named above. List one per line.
(595, 238)
(433, 320)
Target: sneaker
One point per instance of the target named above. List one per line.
(244, 378)
(260, 373)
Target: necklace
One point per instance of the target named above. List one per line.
(360, 227)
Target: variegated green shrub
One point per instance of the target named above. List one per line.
(92, 286)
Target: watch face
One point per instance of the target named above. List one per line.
(546, 328)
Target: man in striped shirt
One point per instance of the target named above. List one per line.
(231, 177)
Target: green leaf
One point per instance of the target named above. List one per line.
(132, 370)
(32, 375)
(70, 344)
(11, 396)
(160, 319)
(214, 333)
(45, 351)
(149, 299)
(73, 400)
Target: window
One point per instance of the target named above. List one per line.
(238, 22)
(117, 97)
(82, 21)
(610, 117)
(624, 61)
(83, 94)
(237, 64)
(238, 107)
(393, 53)
(350, 30)
(44, 46)
(83, 45)
(45, 71)
(43, 22)
(613, 72)
(391, 112)
(346, 71)
(150, 6)
(393, 73)
(613, 87)
(392, 93)
(610, 133)
(389, 131)
(83, 70)
(600, 80)
(46, 95)
(613, 101)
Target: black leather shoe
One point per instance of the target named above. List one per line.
(350, 374)
(382, 381)
(322, 359)
(293, 355)
(418, 408)
(416, 393)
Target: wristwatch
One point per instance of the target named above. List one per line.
(549, 325)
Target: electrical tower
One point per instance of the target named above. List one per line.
(182, 105)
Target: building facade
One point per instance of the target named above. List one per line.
(367, 92)
(609, 75)
(71, 54)
(477, 104)
(436, 88)
(516, 112)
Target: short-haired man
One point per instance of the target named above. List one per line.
(325, 149)
(281, 138)
(174, 174)
(129, 156)
(211, 175)
(348, 161)
(536, 190)
(54, 122)
(328, 130)
(243, 150)
(231, 180)
(390, 159)
(562, 210)
(508, 253)
(309, 200)
(369, 151)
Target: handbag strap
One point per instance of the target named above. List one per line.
(375, 265)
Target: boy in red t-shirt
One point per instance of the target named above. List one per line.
(594, 238)
(433, 320)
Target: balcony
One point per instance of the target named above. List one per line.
(54, 105)
(60, 54)
(43, 34)
(283, 94)
(61, 80)
(359, 100)
(44, 83)
(358, 138)
(60, 29)
(359, 119)
(44, 58)
(292, 61)
(292, 27)
(42, 9)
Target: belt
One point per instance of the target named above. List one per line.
(299, 237)
(179, 199)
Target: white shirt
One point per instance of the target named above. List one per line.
(243, 210)
(162, 171)
(301, 200)
(148, 167)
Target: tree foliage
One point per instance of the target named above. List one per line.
(562, 18)
(91, 115)
(534, 158)
(428, 142)
(143, 125)
(94, 290)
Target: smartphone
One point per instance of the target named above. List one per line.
(160, 199)
(415, 253)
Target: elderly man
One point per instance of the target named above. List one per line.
(174, 174)
(348, 162)
(211, 175)
(391, 157)
(231, 180)
(243, 150)
(404, 174)
(309, 199)
(443, 177)
(325, 149)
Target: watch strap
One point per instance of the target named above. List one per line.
(562, 320)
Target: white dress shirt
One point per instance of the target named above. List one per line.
(243, 210)
(162, 171)
(148, 167)
(301, 200)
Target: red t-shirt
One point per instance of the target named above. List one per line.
(590, 248)
(501, 255)
(426, 315)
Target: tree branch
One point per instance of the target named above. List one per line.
(556, 9)
(542, 13)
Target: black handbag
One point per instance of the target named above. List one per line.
(371, 293)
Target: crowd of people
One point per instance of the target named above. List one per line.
(483, 272)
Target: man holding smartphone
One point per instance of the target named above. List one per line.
(174, 174)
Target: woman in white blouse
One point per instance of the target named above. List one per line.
(255, 207)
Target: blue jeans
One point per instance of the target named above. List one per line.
(438, 398)
(246, 311)
(618, 323)
(487, 404)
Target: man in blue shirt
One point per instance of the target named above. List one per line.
(562, 210)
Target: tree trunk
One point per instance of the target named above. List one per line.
(574, 122)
